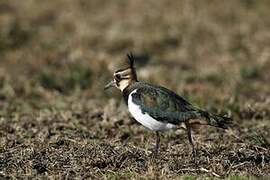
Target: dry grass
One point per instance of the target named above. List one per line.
(55, 57)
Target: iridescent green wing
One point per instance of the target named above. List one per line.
(163, 104)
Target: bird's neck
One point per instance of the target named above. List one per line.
(128, 90)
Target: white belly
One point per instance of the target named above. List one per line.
(145, 119)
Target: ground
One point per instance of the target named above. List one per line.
(56, 56)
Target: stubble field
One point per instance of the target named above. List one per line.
(56, 56)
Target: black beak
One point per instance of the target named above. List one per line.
(109, 85)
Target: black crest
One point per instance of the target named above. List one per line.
(130, 59)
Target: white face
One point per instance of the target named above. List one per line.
(123, 84)
(122, 80)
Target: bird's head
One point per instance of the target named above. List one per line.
(122, 78)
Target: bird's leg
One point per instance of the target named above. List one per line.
(194, 154)
(157, 144)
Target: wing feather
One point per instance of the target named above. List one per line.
(163, 104)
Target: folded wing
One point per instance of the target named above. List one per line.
(163, 104)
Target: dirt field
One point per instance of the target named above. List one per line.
(56, 56)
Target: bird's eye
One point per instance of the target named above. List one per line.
(118, 76)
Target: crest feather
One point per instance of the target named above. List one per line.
(130, 59)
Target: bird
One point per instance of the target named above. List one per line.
(160, 109)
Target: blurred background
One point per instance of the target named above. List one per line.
(56, 57)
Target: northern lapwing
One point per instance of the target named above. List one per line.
(159, 108)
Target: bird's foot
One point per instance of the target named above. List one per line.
(154, 154)
(194, 157)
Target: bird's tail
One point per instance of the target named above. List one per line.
(216, 120)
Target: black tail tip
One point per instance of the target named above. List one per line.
(225, 122)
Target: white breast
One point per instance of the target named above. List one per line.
(145, 119)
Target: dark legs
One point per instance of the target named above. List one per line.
(157, 144)
(192, 145)
(194, 154)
